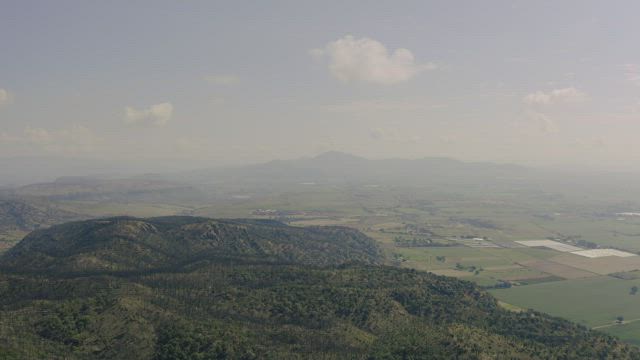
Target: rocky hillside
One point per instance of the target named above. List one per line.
(131, 244)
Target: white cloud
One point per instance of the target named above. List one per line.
(6, 97)
(556, 96)
(367, 60)
(540, 109)
(542, 121)
(155, 115)
(547, 125)
(222, 79)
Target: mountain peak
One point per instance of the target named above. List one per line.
(338, 156)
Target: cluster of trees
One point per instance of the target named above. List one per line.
(470, 268)
(402, 241)
(258, 310)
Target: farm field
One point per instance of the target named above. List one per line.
(557, 269)
(593, 302)
(626, 331)
(609, 231)
(518, 266)
(602, 265)
(562, 284)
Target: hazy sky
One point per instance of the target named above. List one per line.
(210, 82)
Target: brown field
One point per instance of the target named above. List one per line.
(557, 269)
(503, 267)
(602, 266)
(524, 275)
(627, 275)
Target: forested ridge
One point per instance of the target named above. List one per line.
(196, 288)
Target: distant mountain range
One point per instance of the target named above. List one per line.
(202, 187)
(337, 167)
(326, 168)
(95, 188)
(330, 167)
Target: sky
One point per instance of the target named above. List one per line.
(207, 83)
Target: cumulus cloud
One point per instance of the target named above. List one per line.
(222, 79)
(540, 106)
(556, 96)
(538, 121)
(5, 97)
(544, 123)
(367, 60)
(155, 115)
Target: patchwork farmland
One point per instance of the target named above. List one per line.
(558, 246)
(567, 277)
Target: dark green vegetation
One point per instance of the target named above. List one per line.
(195, 288)
(123, 245)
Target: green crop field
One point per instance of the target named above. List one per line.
(593, 302)
(627, 332)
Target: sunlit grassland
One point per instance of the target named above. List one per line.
(627, 332)
(594, 301)
(494, 264)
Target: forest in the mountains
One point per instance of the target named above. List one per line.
(196, 288)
